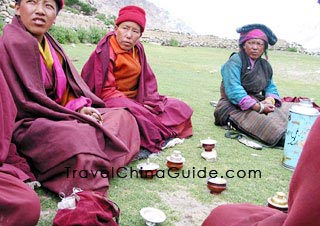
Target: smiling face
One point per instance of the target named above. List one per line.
(37, 15)
(127, 34)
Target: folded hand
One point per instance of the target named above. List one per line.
(92, 113)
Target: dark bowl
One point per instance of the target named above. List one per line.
(174, 165)
(208, 147)
(216, 185)
(216, 189)
(148, 169)
(208, 144)
(148, 174)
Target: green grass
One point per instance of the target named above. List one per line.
(193, 75)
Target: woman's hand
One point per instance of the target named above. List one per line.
(150, 109)
(263, 107)
(268, 107)
(92, 113)
(269, 100)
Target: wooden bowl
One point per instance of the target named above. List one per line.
(148, 170)
(208, 144)
(216, 185)
(208, 147)
(175, 161)
(148, 173)
(174, 166)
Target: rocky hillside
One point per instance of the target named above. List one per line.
(157, 18)
(161, 27)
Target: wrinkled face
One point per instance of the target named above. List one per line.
(127, 34)
(254, 48)
(37, 15)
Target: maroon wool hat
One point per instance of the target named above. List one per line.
(134, 14)
(60, 4)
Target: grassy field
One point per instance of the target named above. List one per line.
(193, 75)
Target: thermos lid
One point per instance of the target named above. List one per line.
(301, 109)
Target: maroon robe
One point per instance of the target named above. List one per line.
(304, 196)
(66, 149)
(19, 204)
(168, 118)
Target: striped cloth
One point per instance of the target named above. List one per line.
(266, 128)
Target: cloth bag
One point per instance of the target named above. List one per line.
(91, 209)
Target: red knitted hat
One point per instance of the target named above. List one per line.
(60, 4)
(134, 14)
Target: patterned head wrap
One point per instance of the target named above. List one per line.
(256, 31)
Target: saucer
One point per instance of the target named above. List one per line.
(279, 206)
(152, 215)
(210, 156)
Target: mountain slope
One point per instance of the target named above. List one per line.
(157, 18)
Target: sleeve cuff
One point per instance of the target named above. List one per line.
(79, 102)
(246, 103)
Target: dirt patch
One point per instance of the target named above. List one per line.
(191, 211)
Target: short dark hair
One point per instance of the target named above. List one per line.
(58, 8)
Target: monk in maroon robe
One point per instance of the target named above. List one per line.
(65, 131)
(303, 202)
(118, 72)
(19, 204)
